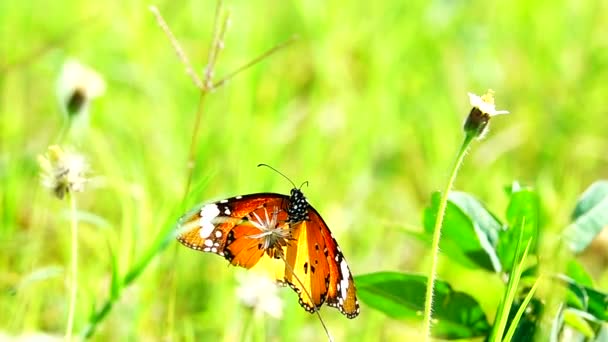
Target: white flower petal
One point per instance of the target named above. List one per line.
(259, 293)
(485, 103)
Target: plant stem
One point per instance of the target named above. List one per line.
(74, 271)
(192, 150)
(428, 305)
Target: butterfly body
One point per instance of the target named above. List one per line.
(281, 236)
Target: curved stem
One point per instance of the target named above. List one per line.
(428, 304)
(74, 272)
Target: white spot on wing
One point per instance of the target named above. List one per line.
(344, 281)
(208, 213)
(218, 233)
(208, 243)
(226, 211)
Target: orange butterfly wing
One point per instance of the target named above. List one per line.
(341, 289)
(226, 227)
(313, 258)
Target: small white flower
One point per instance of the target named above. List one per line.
(77, 86)
(260, 293)
(476, 124)
(63, 172)
(485, 103)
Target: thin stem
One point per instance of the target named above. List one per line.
(74, 272)
(428, 305)
(217, 43)
(191, 155)
(177, 47)
(329, 337)
(254, 61)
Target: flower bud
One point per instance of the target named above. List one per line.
(483, 109)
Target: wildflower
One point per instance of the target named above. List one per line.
(76, 87)
(63, 172)
(259, 293)
(479, 117)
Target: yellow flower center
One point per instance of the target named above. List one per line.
(488, 97)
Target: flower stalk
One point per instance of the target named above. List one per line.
(475, 127)
(428, 305)
(64, 173)
(74, 270)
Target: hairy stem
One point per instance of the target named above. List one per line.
(74, 271)
(428, 305)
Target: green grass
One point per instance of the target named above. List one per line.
(367, 106)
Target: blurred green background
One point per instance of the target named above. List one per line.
(366, 106)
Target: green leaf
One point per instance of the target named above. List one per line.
(587, 299)
(504, 309)
(578, 320)
(449, 248)
(590, 216)
(557, 324)
(401, 296)
(116, 281)
(577, 272)
(469, 230)
(520, 312)
(522, 213)
(529, 323)
(164, 237)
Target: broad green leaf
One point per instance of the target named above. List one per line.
(469, 230)
(449, 248)
(578, 320)
(590, 216)
(598, 304)
(577, 272)
(587, 299)
(401, 296)
(522, 213)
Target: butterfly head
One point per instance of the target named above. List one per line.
(298, 206)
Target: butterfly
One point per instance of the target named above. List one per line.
(280, 236)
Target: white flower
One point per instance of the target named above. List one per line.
(476, 124)
(62, 172)
(77, 86)
(260, 293)
(485, 103)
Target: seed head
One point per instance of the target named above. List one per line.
(77, 86)
(62, 172)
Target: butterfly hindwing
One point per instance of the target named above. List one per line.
(309, 266)
(341, 289)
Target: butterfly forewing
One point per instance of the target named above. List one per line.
(226, 227)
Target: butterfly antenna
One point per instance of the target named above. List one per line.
(306, 182)
(329, 337)
(279, 172)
